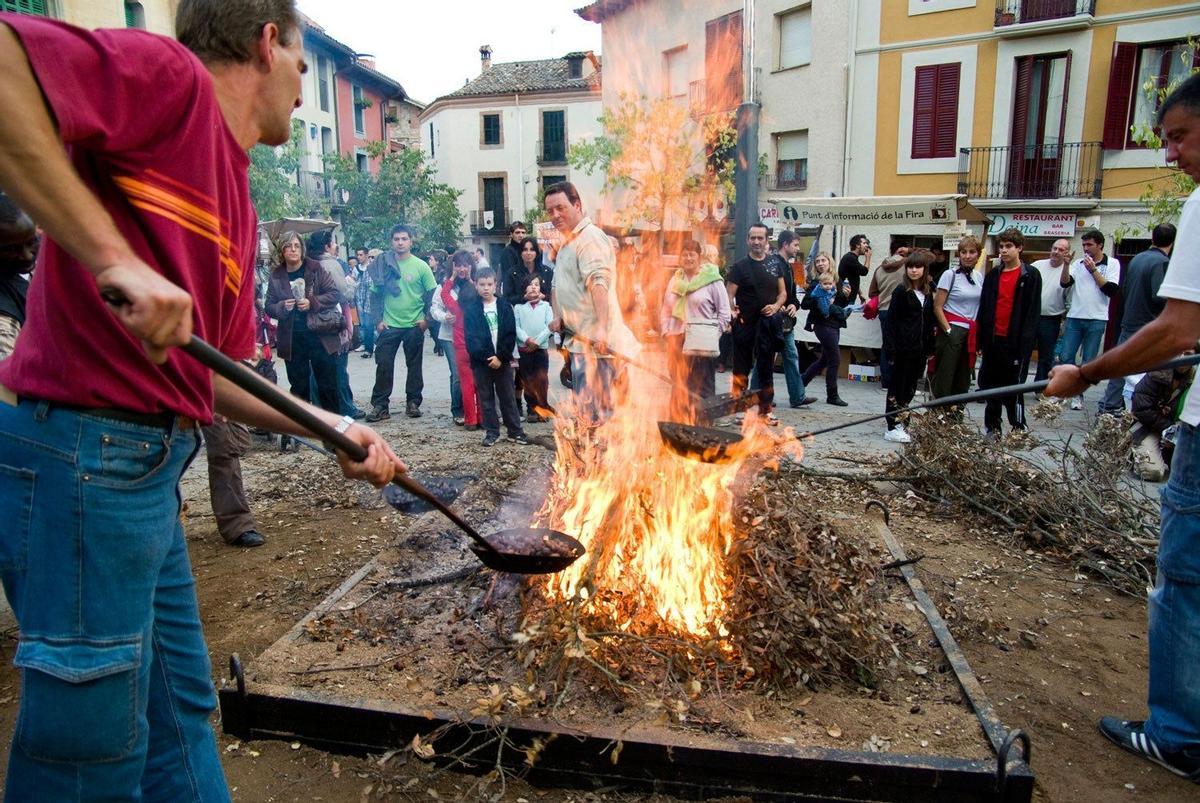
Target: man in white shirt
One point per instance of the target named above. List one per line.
(1094, 278)
(584, 298)
(1171, 735)
(1054, 305)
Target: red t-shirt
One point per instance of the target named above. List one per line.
(139, 117)
(1004, 302)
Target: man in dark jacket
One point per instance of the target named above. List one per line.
(1009, 308)
(789, 247)
(18, 251)
(510, 258)
(1142, 304)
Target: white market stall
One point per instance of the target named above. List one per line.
(951, 212)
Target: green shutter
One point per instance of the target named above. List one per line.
(24, 6)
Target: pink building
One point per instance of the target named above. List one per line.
(367, 103)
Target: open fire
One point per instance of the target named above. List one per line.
(658, 527)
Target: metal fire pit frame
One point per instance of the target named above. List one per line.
(648, 760)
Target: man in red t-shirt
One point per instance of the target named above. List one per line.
(129, 149)
(1010, 305)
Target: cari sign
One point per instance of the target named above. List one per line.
(1036, 224)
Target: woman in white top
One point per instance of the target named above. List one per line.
(955, 306)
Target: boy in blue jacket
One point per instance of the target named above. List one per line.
(490, 329)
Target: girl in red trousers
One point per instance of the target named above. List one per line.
(448, 301)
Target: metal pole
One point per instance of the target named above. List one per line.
(745, 170)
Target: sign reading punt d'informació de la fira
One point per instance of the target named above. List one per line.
(866, 211)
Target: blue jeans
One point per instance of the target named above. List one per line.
(1114, 392)
(1174, 606)
(115, 687)
(1081, 336)
(1049, 327)
(368, 332)
(456, 405)
(345, 395)
(791, 370)
(591, 386)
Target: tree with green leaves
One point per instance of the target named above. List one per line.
(1163, 199)
(667, 165)
(273, 186)
(404, 190)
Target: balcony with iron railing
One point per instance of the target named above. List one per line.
(315, 184)
(704, 99)
(500, 219)
(552, 152)
(1066, 170)
(785, 181)
(1011, 14)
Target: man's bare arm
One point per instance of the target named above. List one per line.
(1173, 332)
(381, 463)
(36, 173)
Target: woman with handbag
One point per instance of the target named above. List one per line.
(695, 311)
(303, 297)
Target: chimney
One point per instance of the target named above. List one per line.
(485, 57)
(365, 59)
(575, 64)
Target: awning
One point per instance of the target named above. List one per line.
(274, 228)
(876, 210)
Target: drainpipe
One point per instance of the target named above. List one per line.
(520, 157)
(851, 57)
(745, 170)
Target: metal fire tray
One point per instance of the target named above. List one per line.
(649, 761)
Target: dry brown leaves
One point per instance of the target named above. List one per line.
(1077, 504)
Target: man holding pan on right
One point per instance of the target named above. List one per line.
(1170, 736)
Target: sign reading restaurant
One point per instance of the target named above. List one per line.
(1036, 224)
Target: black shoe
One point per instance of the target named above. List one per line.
(358, 414)
(412, 411)
(471, 427)
(533, 418)
(250, 538)
(837, 401)
(378, 414)
(805, 402)
(1132, 736)
(490, 440)
(367, 355)
(519, 438)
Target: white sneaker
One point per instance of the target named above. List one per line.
(1076, 403)
(897, 435)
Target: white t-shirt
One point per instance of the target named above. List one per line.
(964, 300)
(493, 319)
(1054, 295)
(1087, 302)
(1183, 282)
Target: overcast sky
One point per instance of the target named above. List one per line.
(432, 48)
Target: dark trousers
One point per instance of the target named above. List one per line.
(310, 361)
(701, 375)
(1002, 365)
(885, 351)
(1049, 328)
(533, 371)
(725, 346)
(345, 395)
(224, 444)
(753, 346)
(830, 360)
(389, 342)
(907, 369)
(953, 373)
(491, 383)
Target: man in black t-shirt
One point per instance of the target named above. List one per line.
(855, 264)
(756, 294)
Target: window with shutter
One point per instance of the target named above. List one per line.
(723, 62)
(935, 111)
(24, 6)
(1160, 66)
(795, 38)
(791, 164)
(1120, 89)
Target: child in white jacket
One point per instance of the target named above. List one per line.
(533, 359)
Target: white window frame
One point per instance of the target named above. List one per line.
(1140, 34)
(966, 56)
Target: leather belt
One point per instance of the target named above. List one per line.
(156, 420)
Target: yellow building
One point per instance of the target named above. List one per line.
(152, 15)
(1025, 106)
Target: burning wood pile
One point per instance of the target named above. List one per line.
(696, 571)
